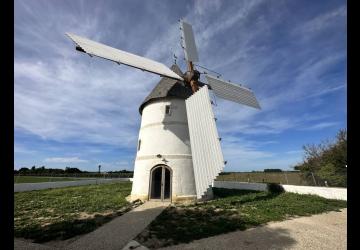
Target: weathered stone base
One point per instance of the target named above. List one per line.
(183, 199)
(174, 199)
(143, 197)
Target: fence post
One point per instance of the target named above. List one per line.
(314, 178)
(287, 181)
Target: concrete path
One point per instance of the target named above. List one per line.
(118, 232)
(25, 245)
(323, 231)
(59, 184)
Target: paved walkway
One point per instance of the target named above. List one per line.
(118, 232)
(323, 231)
(59, 184)
(25, 245)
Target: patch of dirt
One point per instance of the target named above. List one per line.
(84, 216)
(150, 241)
(43, 218)
(45, 224)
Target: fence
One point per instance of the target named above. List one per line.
(285, 177)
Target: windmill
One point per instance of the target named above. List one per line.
(178, 152)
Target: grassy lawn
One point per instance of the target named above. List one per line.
(62, 213)
(231, 210)
(35, 179)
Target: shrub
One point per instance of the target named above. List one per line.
(275, 188)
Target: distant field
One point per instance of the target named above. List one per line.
(36, 179)
(292, 178)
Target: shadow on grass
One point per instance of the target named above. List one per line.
(243, 196)
(223, 193)
(261, 238)
(184, 224)
(176, 226)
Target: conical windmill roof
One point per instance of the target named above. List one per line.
(168, 88)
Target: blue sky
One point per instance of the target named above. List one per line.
(73, 110)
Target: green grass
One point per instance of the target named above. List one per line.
(62, 213)
(231, 210)
(36, 179)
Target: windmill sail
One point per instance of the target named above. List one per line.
(232, 92)
(206, 152)
(100, 50)
(188, 42)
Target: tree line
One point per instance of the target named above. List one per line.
(69, 171)
(326, 163)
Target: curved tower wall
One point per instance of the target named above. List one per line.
(166, 135)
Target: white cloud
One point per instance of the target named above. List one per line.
(326, 91)
(321, 125)
(204, 6)
(64, 160)
(323, 21)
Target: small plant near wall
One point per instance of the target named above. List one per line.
(275, 188)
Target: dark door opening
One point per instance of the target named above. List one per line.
(160, 183)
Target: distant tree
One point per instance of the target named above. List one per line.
(297, 167)
(99, 168)
(125, 171)
(69, 170)
(24, 170)
(272, 170)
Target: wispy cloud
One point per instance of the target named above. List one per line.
(321, 125)
(322, 22)
(64, 160)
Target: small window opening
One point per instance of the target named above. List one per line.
(167, 110)
(139, 145)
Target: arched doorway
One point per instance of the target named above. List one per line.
(160, 183)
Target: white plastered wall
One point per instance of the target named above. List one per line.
(168, 136)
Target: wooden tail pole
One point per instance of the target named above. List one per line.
(193, 81)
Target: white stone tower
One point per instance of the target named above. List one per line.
(163, 165)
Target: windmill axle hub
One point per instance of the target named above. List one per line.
(193, 75)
